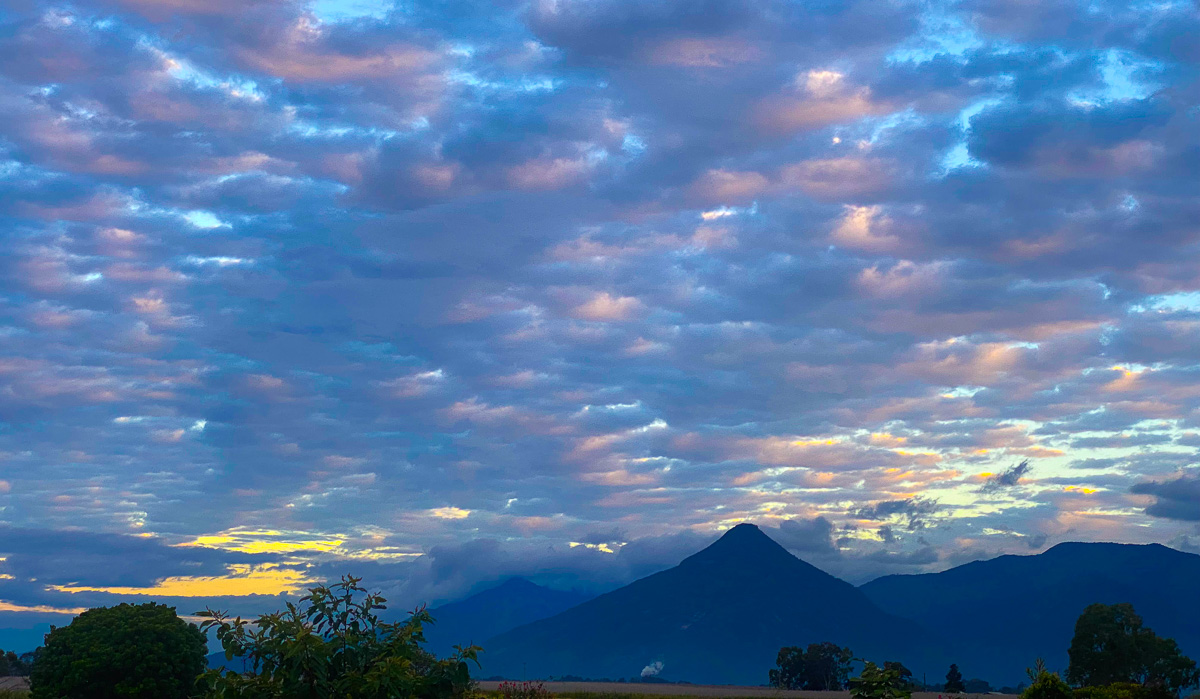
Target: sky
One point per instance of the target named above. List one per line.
(436, 293)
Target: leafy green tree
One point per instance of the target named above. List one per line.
(142, 651)
(954, 681)
(887, 682)
(332, 645)
(1112, 645)
(788, 672)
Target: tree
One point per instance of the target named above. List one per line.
(333, 644)
(789, 668)
(1111, 645)
(954, 681)
(13, 665)
(142, 651)
(881, 683)
(904, 673)
(826, 667)
(823, 666)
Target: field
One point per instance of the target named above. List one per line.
(11, 687)
(617, 690)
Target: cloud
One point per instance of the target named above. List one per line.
(807, 536)
(1176, 498)
(1005, 479)
(914, 511)
(468, 284)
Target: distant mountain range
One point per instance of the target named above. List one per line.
(479, 617)
(721, 615)
(1006, 612)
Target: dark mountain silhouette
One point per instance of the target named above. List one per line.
(512, 603)
(1006, 612)
(719, 617)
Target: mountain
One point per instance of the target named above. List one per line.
(476, 618)
(1008, 611)
(718, 617)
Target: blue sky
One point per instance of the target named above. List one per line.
(436, 293)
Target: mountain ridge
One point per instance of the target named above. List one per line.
(719, 617)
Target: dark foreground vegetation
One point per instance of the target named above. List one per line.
(333, 644)
(1113, 655)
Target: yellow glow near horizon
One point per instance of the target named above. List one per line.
(261, 581)
(42, 608)
(264, 541)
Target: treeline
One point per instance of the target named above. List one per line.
(332, 643)
(13, 665)
(1113, 655)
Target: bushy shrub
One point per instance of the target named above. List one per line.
(142, 651)
(879, 683)
(1122, 690)
(333, 644)
(523, 690)
(1048, 685)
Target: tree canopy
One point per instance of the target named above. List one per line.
(823, 666)
(888, 682)
(333, 644)
(142, 651)
(1112, 645)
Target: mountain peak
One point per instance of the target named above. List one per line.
(744, 544)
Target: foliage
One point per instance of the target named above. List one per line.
(1120, 690)
(142, 651)
(823, 666)
(954, 681)
(789, 668)
(523, 690)
(1047, 685)
(977, 686)
(905, 674)
(333, 645)
(1111, 645)
(13, 665)
(887, 682)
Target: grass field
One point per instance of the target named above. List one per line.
(629, 690)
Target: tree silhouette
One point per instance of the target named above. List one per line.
(954, 680)
(822, 667)
(1112, 645)
(789, 668)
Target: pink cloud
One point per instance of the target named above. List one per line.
(606, 307)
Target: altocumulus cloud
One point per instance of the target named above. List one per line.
(292, 290)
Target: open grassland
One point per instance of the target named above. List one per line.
(630, 690)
